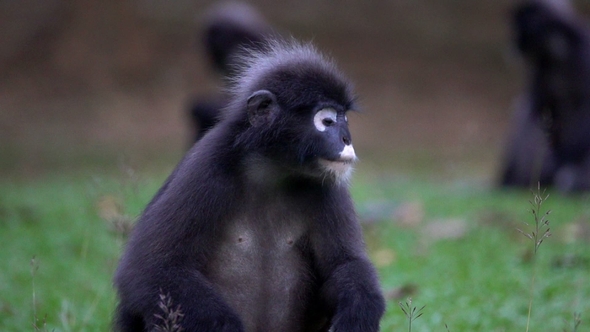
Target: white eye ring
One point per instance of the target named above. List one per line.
(324, 117)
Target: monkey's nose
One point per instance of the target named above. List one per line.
(346, 140)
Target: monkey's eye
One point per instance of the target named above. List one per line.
(328, 122)
(324, 118)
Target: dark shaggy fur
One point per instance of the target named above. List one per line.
(252, 232)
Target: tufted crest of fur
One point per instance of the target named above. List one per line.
(252, 66)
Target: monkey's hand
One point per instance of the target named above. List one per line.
(204, 310)
(223, 322)
(361, 317)
(358, 302)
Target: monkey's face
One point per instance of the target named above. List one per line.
(297, 118)
(309, 140)
(334, 151)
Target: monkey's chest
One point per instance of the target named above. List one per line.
(263, 272)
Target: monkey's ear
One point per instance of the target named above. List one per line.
(262, 107)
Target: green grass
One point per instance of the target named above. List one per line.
(479, 281)
(57, 221)
(475, 278)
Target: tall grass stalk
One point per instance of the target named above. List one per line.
(170, 317)
(540, 232)
(411, 313)
(34, 268)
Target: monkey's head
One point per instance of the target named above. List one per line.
(555, 43)
(230, 26)
(293, 105)
(546, 31)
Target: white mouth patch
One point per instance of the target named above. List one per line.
(324, 118)
(342, 168)
(348, 153)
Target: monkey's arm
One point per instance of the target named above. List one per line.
(153, 300)
(351, 288)
(166, 255)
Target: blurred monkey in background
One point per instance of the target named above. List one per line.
(229, 29)
(550, 141)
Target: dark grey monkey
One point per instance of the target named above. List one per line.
(229, 28)
(552, 138)
(255, 230)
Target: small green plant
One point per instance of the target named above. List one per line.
(541, 229)
(411, 312)
(540, 232)
(577, 322)
(170, 317)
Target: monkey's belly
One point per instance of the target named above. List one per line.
(264, 278)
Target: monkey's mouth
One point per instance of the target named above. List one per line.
(339, 166)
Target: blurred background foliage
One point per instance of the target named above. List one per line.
(86, 83)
